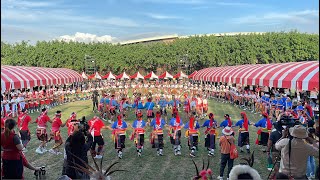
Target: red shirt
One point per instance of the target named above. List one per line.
(3, 120)
(56, 124)
(23, 121)
(11, 151)
(95, 126)
(42, 120)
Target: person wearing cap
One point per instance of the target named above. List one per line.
(138, 133)
(265, 127)
(42, 135)
(175, 126)
(55, 133)
(243, 139)
(225, 142)
(96, 124)
(23, 125)
(156, 137)
(192, 133)
(295, 152)
(210, 134)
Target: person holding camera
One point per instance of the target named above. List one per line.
(295, 152)
(77, 147)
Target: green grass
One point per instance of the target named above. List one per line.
(149, 166)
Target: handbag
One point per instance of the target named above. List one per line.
(234, 154)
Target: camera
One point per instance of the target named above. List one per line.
(41, 172)
(288, 121)
(83, 126)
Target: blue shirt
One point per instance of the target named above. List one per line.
(102, 100)
(115, 125)
(262, 123)
(155, 126)
(207, 123)
(240, 123)
(174, 123)
(193, 104)
(196, 126)
(140, 105)
(107, 100)
(172, 102)
(149, 105)
(114, 103)
(162, 103)
(139, 124)
(288, 104)
(224, 123)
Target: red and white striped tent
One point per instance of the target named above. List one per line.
(95, 76)
(109, 76)
(136, 76)
(192, 74)
(165, 75)
(123, 76)
(151, 75)
(293, 75)
(180, 75)
(17, 77)
(84, 76)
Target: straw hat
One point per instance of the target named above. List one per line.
(298, 131)
(227, 131)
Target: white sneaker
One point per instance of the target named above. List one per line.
(38, 150)
(98, 156)
(220, 178)
(139, 154)
(120, 155)
(179, 152)
(24, 150)
(58, 152)
(52, 151)
(44, 150)
(269, 169)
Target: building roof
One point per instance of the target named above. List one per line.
(156, 38)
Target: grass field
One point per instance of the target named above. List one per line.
(149, 166)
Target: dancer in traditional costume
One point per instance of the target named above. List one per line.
(243, 139)
(210, 140)
(175, 132)
(138, 133)
(156, 137)
(187, 106)
(119, 134)
(23, 125)
(55, 133)
(193, 134)
(265, 125)
(163, 105)
(96, 124)
(138, 104)
(42, 135)
(149, 108)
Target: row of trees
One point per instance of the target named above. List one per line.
(199, 52)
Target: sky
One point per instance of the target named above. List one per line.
(120, 20)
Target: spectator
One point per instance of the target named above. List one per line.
(311, 161)
(295, 152)
(272, 152)
(12, 166)
(76, 148)
(225, 142)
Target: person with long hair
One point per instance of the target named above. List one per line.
(265, 125)
(243, 139)
(12, 165)
(210, 140)
(55, 133)
(157, 133)
(192, 133)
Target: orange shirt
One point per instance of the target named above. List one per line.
(225, 145)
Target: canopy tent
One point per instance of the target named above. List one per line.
(192, 74)
(180, 75)
(123, 76)
(293, 75)
(151, 75)
(16, 77)
(95, 75)
(165, 75)
(84, 76)
(136, 76)
(109, 76)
